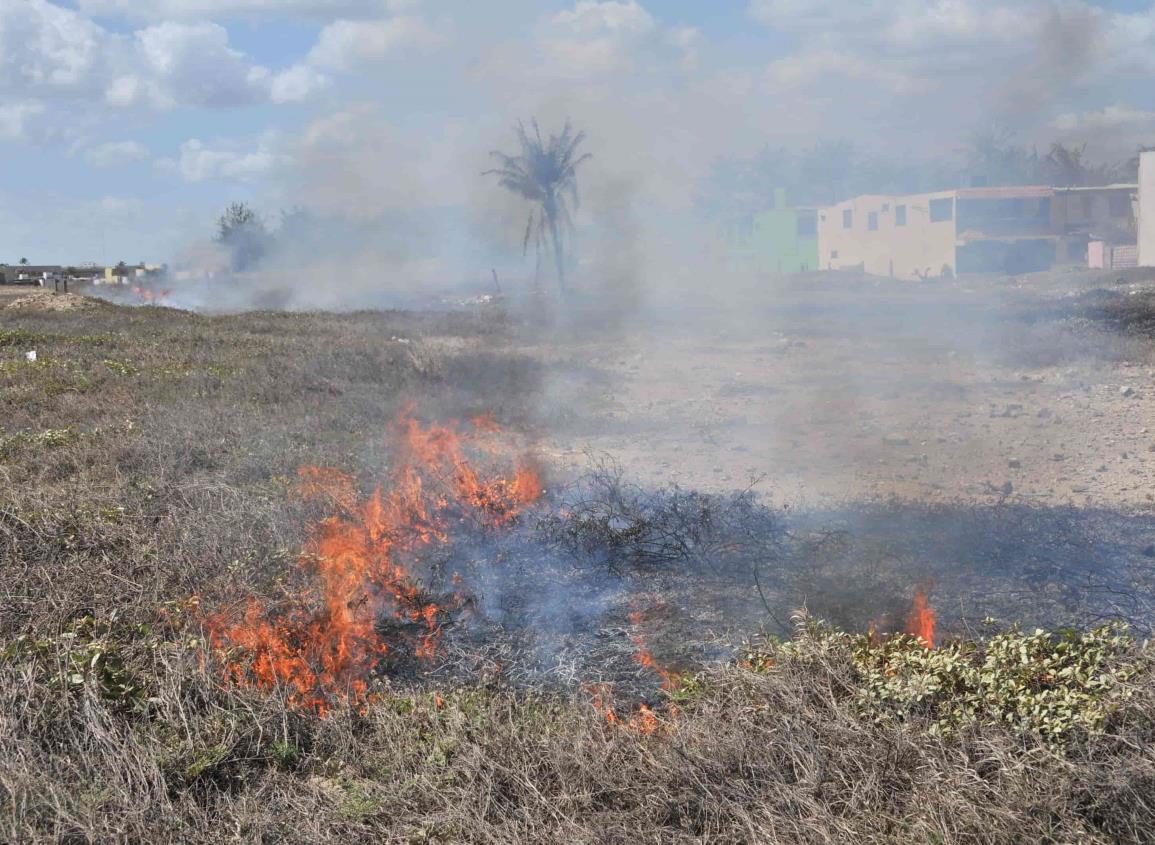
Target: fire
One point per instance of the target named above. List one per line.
(920, 622)
(644, 722)
(644, 656)
(324, 642)
(150, 295)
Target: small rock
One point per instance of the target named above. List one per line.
(1126, 391)
(896, 440)
(1014, 463)
(1007, 488)
(1149, 551)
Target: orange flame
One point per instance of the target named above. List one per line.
(920, 623)
(149, 295)
(644, 722)
(645, 657)
(323, 643)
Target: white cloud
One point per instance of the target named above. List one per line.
(297, 83)
(46, 50)
(685, 39)
(116, 153)
(910, 65)
(50, 53)
(15, 119)
(201, 163)
(594, 19)
(595, 38)
(189, 64)
(344, 44)
(156, 10)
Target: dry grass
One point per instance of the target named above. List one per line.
(146, 458)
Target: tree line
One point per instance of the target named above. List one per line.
(831, 171)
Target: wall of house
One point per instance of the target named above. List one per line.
(919, 247)
(1147, 209)
(777, 245)
(1090, 207)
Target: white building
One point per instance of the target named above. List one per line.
(1147, 209)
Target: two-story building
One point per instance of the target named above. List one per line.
(1014, 229)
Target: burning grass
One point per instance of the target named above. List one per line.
(409, 641)
(824, 737)
(330, 633)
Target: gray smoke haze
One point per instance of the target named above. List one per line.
(688, 368)
(397, 211)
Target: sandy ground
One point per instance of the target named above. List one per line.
(839, 389)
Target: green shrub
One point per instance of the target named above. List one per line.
(87, 652)
(1057, 686)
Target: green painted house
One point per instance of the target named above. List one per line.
(780, 239)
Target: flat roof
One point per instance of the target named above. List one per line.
(1117, 186)
(1005, 192)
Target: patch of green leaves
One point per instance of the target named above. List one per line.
(18, 337)
(121, 368)
(1056, 686)
(87, 653)
(49, 438)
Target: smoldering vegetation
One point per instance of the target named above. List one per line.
(150, 455)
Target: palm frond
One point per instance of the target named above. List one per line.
(544, 172)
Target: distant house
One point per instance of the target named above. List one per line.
(47, 274)
(31, 274)
(1098, 225)
(778, 239)
(1014, 229)
(1146, 214)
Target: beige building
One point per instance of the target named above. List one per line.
(1147, 209)
(973, 230)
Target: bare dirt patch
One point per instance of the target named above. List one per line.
(855, 388)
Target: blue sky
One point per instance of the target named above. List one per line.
(126, 125)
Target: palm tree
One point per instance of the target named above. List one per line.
(545, 174)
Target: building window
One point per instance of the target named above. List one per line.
(941, 210)
(900, 215)
(1120, 205)
(807, 226)
(847, 219)
(833, 253)
(872, 221)
(886, 206)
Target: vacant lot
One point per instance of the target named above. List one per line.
(150, 462)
